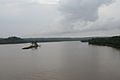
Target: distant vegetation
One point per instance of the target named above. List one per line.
(12, 40)
(107, 41)
(17, 40)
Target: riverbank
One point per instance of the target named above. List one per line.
(110, 41)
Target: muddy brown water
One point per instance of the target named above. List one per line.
(59, 61)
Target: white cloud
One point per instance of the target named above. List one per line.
(25, 18)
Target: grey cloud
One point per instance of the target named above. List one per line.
(77, 17)
(80, 11)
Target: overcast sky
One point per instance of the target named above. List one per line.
(52, 18)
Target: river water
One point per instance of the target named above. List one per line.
(59, 61)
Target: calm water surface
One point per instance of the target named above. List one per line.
(59, 61)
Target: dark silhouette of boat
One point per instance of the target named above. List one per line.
(30, 47)
(34, 45)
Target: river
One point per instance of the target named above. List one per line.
(59, 61)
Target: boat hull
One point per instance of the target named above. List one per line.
(30, 47)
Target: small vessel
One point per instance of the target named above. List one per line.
(34, 45)
(30, 47)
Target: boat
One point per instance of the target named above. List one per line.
(30, 47)
(34, 45)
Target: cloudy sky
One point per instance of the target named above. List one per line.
(54, 18)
